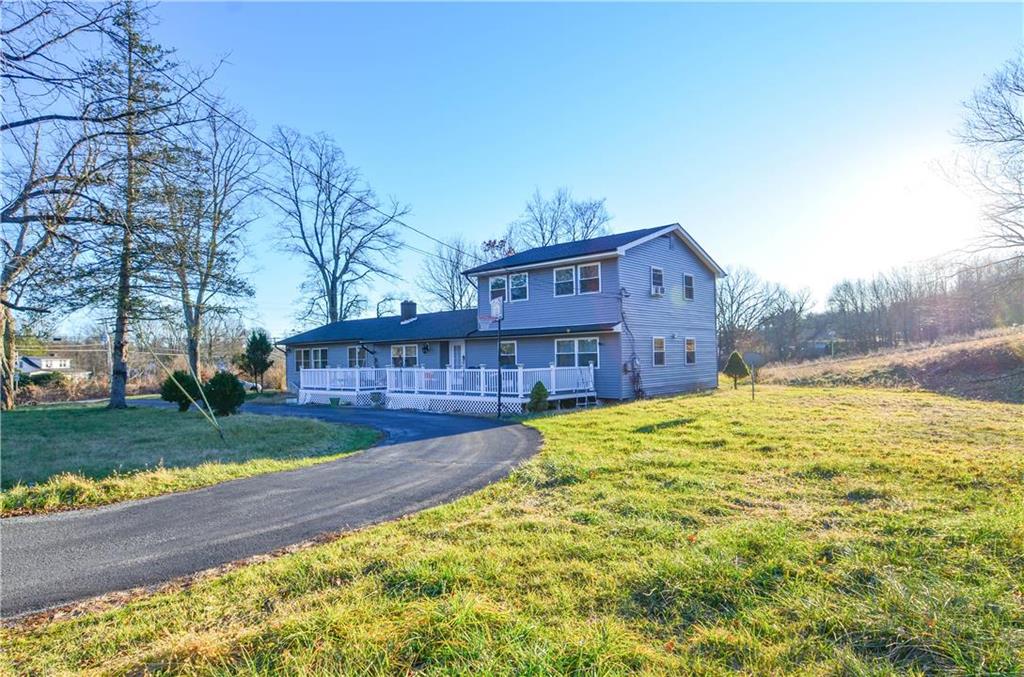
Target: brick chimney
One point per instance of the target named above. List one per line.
(408, 311)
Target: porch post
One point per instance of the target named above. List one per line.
(415, 380)
(592, 387)
(554, 384)
(483, 381)
(519, 368)
(448, 381)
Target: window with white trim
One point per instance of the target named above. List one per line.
(590, 278)
(691, 351)
(565, 281)
(658, 344)
(578, 352)
(497, 286)
(518, 287)
(311, 358)
(507, 354)
(687, 287)
(657, 281)
(356, 357)
(406, 355)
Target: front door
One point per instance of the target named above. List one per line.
(457, 355)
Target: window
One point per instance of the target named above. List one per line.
(691, 351)
(590, 278)
(576, 352)
(688, 287)
(507, 354)
(565, 353)
(356, 357)
(659, 351)
(519, 286)
(586, 352)
(657, 281)
(565, 281)
(498, 288)
(404, 355)
(311, 358)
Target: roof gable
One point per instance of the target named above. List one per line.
(616, 244)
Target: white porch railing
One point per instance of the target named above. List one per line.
(516, 382)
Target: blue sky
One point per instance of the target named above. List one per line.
(804, 141)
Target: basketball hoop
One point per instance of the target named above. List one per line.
(497, 309)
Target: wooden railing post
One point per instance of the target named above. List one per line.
(483, 381)
(521, 383)
(592, 376)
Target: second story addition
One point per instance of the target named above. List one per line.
(582, 282)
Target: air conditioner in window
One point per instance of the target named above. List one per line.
(657, 290)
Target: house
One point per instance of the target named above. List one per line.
(614, 317)
(39, 365)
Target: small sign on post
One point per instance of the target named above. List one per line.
(754, 361)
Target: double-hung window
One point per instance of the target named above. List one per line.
(691, 351)
(498, 285)
(311, 358)
(657, 281)
(590, 278)
(565, 281)
(518, 287)
(659, 351)
(576, 352)
(507, 354)
(687, 287)
(356, 357)
(404, 355)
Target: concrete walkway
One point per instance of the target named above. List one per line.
(426, 460)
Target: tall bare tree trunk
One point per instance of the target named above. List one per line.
(194, 334)
(7, 358)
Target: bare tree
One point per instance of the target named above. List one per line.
(743, 301)
(332, 221)
(442, 279)
(559, 218)
(994, 128)
(207, 194)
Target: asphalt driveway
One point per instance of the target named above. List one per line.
(426, 460)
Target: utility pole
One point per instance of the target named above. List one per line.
(498, 312)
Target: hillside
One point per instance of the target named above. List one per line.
(988, 367)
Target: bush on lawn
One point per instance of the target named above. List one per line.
(225, 393)
(51, 379)
(736, 368)
(175, 387)
(538, 398)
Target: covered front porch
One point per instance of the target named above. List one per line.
(444, 390)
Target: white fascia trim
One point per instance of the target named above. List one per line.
(686, 238)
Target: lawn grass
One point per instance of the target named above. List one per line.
(816, 531)
(71, 456)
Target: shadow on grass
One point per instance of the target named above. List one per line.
(664, 425)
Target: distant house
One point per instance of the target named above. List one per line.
(38, 365)
(614, 317)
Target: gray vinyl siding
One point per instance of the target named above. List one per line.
(539, 351)
(544, 309)
(669, 316)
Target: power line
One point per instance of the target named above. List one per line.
(193, 92)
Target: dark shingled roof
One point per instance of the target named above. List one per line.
(565, 250)
(455, 324)
(426, 327)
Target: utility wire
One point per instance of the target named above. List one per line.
(193, 92)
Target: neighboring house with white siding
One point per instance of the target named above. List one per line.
(634, 312)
